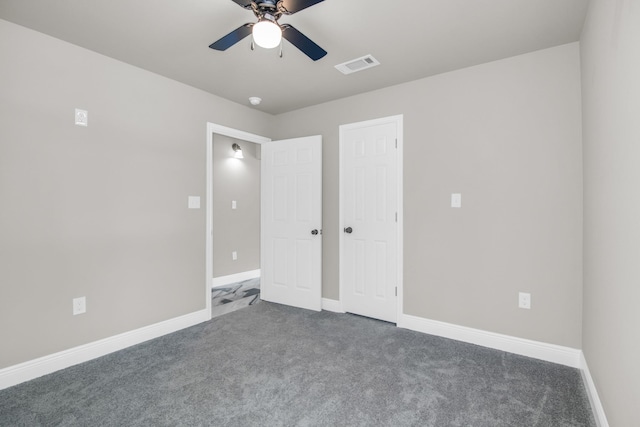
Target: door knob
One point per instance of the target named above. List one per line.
(314, 231)
(348, 230)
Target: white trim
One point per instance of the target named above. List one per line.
(592, 393)
(236, 133)
(235, 278)
(332, 305)
(399, 122)
(213, 128)
(400, 237)
(535, 349)
(208, 246)
(45, 365)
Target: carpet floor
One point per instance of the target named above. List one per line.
(272, 365)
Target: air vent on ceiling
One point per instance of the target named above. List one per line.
(358, 64)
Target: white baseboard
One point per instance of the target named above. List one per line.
(235, 278)
(54, 362)
(535, 349)
(594, 399)
(332, 305)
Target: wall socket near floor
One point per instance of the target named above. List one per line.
(524, 300)
(234, 255)
(79, 305)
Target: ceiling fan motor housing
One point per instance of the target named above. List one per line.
(266, 3)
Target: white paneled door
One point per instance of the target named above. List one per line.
(369, 209)
(291, 254)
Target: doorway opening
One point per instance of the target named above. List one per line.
(290, 217)
(233, 215)
(236, 224)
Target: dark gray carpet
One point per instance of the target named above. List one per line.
(271, 365)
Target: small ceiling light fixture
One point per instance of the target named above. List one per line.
(266, 32)
(254, 100)
(237, 151)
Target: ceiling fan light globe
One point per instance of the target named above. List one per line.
(267, 34)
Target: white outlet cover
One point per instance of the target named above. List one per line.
(234, 255)
(524, 300)
(194, 202)
(233, 204)
(79, 305)
(82, 117)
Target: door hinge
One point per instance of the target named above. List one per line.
(396, 142)
(396, 291)
(396, 216)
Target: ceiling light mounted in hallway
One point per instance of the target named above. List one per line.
(237, 151)
(254, 100)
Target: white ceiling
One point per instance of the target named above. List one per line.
(411, 39)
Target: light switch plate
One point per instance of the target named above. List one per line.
(194, 202)
(234, 205)
(456, 200)
(82, 117)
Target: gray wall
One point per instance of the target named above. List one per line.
(239, 229)
(507, 135)
(100, 211)
(610, 51)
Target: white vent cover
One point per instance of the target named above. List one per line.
(358, 64)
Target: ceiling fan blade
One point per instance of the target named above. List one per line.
(232, 38)
(302, 42)
(244, 3)
(293, 6)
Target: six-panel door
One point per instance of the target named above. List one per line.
(291, 258)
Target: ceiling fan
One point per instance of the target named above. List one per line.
(267, 32)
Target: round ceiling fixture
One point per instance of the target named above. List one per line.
(254, 100)
(267, 33)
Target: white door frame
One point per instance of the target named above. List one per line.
(398, 120)
(213, 128)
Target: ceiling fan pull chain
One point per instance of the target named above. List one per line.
(280, 48)
(252, 45)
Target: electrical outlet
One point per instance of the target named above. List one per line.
(234, 255)
(79, 305)
(524, 300)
